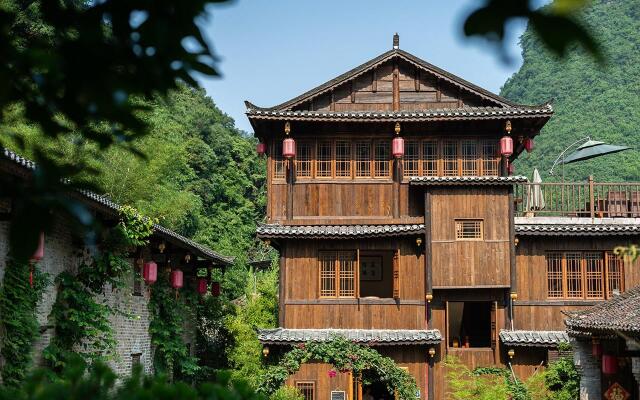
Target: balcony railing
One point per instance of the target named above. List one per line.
(578, 199)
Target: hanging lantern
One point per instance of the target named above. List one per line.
(261, 148)
(176, 279)
(506, 146)
(39, 253)
(397, 145)
(289, 148)
(215, 289)
(528, 145)
(202, 286)
(596, 349)
(150, 272)
(609, 364)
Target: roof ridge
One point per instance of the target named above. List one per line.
(374, 62)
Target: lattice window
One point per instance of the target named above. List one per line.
(594, 274)
(347, 265)
(490, 160)
(343, 159)
(430, 158)
(338, 273)
(324, 161)
(411, 158)
(278, 170)
(304, 158)
(554, 276)
(382, 159)
(450, 158)
(469, 157)
(469, 229)
(363, 158)
(307, 389)
(574, 275)
(615, 274)
(328, 273)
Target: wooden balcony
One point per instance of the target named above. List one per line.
(578, 199)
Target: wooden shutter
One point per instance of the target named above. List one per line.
(396, 274)
(494, 330)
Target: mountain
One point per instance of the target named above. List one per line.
(600, 101)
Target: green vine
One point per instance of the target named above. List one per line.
(167, 317)
(78, 317)
(344, 356)
(18, 319)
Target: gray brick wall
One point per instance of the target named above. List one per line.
(589, 368)
(131, 324)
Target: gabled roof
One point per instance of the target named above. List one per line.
(452, 79)
(94, 199)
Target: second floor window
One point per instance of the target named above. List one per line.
(469, 229)
(337, 274)
(593, 275)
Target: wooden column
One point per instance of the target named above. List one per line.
(397, 177)
(427, 252)
(281, 289)
(396, 87)
(512, 253)
(291, 176)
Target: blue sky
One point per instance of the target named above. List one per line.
(273, 50)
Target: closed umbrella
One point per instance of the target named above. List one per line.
(591, 149)
(535, 197)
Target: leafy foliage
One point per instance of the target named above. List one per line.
(556, 25)
(120, 51)
(562, 380)
(286, 392)
(18, 319)
(590, 99)
(344, 356)
(98, 382)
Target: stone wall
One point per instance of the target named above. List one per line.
(131, 324)
(589, 369)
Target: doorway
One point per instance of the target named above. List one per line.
(376, 391)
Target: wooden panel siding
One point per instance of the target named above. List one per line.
(462, 263)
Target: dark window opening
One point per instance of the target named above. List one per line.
(136, 359)
(469, 324)
(376, 274)
(307, 389)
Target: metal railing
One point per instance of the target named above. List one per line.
(578, 199)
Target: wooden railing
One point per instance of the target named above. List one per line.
(578, 199)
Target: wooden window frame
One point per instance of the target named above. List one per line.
(306, 382)
(277, 159)
(337, 286)
(461, 221)
(605, 261)
(375, 163)
(331, 162)
(311, 162)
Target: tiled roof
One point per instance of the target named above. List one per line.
(440, 114)
(533, 338)
(466, 180)
(274, 231)
(569, 229)
(385, 57)
(363, 336)
(621, 313)
(167, 234)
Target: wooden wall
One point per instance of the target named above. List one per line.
(374, 91)
(533, 310)
(303, 307)
(411, 357)
(460, 263)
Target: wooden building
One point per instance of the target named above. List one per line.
(431, 244)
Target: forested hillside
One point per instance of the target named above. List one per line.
(602, 102)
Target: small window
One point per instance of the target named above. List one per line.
(430, 158)
(337, 273)
(136, 359)
(584, 275)
(343, 159)
(490, 160)
(382, 159)
(450, 157)
(277, 160)
(470, 324)
(363, 159)
(411, 158)
(469, 158)
(323, 164)
(614, 275)
(304, 158)
(307, 389)
(469, 229)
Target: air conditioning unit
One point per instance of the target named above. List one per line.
(338, 395)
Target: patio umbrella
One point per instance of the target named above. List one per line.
(591, 149)
(535, 197)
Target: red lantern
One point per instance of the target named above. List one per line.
(150, 272)
(202, 285)
(528, 145)
(176, 279)
(596, 349)
(215, 289)
(261, 148)
(506, 146)
(397, 147)
(39, 253)
(289, 148)
(609, 364)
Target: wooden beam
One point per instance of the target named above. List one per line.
(396, 87)
(438, 91)
(417, 78)
(374, 81)
(282, 281)
(353, 93)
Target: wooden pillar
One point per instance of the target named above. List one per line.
(291, 176)
(282, 281)
(512, 253)
(427, 252)
(396, 87)
(397, 178)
